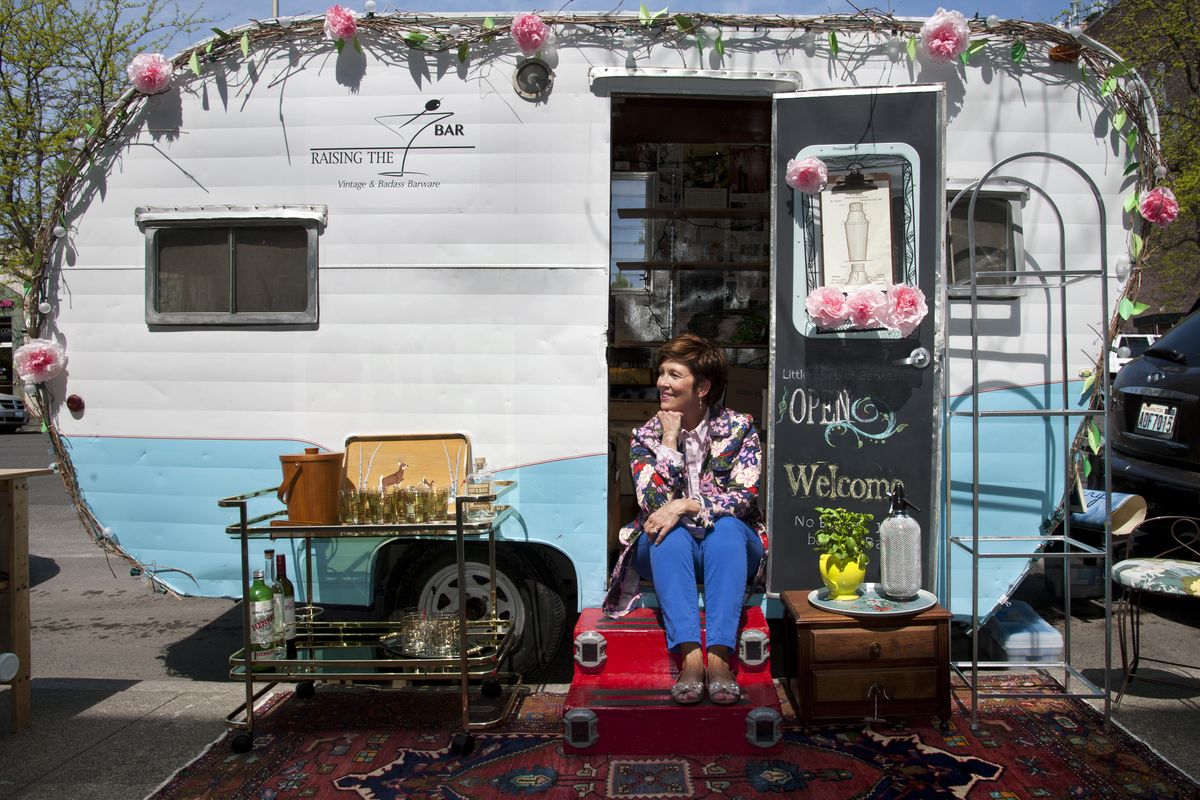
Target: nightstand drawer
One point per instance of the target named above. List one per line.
(854, 685)
(877, 645)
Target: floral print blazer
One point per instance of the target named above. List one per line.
(728, 487)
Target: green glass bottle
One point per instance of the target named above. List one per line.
(262, 623)
(285, 607)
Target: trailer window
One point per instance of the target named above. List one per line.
(242, 271)
(998, 245)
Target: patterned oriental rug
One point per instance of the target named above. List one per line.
(364, 745)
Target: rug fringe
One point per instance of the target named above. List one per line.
(261, 702)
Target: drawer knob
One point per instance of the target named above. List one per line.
(875, 649)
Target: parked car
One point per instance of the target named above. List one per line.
(1155, 419)
(1126, 347)
(12, 413)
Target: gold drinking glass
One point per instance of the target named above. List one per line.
(348, 511)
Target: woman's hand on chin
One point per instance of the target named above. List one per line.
(672, 423)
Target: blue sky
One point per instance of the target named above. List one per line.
(234, 12)
(231, 13)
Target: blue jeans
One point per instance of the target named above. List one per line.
(726, 558)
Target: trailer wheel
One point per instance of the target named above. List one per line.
(525, 596)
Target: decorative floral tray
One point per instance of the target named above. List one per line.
(871, 604)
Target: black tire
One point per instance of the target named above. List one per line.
(462, 744)
(6, 429)
(525, 594)
(305, 690)
(491, 688)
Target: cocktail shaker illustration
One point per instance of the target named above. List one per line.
(857, 225)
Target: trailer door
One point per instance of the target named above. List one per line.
(856, 409)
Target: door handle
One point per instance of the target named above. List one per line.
(919, 358)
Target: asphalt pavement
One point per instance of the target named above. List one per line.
(129, 686)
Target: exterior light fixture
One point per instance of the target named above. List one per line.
(533, 79)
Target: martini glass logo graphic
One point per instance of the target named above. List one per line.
(408, 127)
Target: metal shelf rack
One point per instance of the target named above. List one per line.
(1073, 683)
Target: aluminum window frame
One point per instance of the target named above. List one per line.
(1016, 195)
(152, 221)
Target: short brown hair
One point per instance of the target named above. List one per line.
(705, 359)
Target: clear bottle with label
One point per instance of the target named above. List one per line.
(479, 483)
(262, 623)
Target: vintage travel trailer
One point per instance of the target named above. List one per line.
(425, 230)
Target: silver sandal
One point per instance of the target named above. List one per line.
(724, 693)
(687, 693)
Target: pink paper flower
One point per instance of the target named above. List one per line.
(1159, 206)
(808, 175)
(340, 23)
(865, 307)
(945, 35)
(905, 308)
(529, 32)
(150, 72)
(39, 360)
(826, 307)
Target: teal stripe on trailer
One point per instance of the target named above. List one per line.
(1021, 477)
(159, 498)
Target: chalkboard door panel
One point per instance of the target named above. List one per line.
(856, 409)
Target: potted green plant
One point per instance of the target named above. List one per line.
(844, 544)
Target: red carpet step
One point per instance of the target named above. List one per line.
(622, 705)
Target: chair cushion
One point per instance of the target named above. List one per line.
(1159, 575)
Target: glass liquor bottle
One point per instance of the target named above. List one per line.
(284, 597)
(269, 580)
(479, 483)
(262, 623)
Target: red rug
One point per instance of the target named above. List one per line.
(380, 746)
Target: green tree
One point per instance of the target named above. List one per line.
(62, 64)
(1161, 40)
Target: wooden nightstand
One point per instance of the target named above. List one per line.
(842, 667)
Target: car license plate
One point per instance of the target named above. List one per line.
(1157, 419)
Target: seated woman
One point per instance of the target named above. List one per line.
(695, 468)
